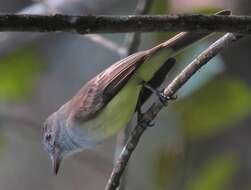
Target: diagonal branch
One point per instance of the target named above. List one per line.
(155, 108)
(106, 43)
(126, 23)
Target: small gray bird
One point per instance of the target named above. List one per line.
(107, 102)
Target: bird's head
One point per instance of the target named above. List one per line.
(56, 140)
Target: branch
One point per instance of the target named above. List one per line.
(104, 42)
(10, 41)
(155, 108)
(129, 23)
(92, 37)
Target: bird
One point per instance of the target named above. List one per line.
(107, 102)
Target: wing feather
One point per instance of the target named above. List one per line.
(97, 92)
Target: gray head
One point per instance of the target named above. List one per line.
(57, 140)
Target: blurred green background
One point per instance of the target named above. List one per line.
(200, 142)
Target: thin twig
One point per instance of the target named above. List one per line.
(126, 23)
(11, 41)
(155, 108)
(107, 43)
(49, 8)
(92, 37)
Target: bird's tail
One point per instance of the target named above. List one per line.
(184, 39)
(177, 43)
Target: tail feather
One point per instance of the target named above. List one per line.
(184, 39)
(177, 43)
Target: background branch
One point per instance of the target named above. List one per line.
(155, 108)
(92, 37)
(107, 44)
(129, 23)
(47, 7)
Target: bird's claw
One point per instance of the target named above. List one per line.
(164, 99)
(150, 124)
(141, 121)
(146, 125)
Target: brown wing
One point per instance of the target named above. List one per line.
(96, 93)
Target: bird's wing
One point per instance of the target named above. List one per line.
(96, 93)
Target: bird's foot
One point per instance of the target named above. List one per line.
(163, 98)
(145, 125)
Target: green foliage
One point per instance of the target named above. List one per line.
(17, 73)
(2, 144)
(165, 167)
(2, 140)
(208, 10)
(216, 174)
(159, 7)
(213, 107)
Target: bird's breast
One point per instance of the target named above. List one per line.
(115, 115)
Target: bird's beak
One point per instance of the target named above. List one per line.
(56, 161)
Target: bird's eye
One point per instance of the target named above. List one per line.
(48, 137)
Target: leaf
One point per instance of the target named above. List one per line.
(17, 74)
(216, 174)
(165, 166)
(159, 7)
(2, 141)
(208, 10)
(212, 108)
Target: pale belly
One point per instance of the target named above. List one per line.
(118, 112)
(115, 115)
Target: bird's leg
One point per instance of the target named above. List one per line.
(138, 106)
(139, 111)
(163, 99)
